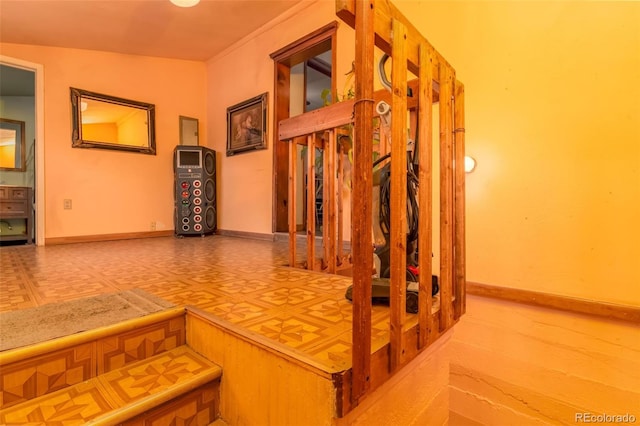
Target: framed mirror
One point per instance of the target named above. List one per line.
(109, 122)
(12, 147)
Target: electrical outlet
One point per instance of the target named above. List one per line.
(67, 204)
(153, 225)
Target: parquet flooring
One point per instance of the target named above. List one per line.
(243, 281)
(135, 384)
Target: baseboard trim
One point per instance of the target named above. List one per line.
(302, 237)
(554, 301)
(106, 237)
(243, 234)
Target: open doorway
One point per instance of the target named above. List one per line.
(304, 80)
(21, 90)
(310, 89)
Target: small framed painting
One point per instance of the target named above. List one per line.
(247, 125)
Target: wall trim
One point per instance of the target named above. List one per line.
(554, 301)
(243, 234)
(107, 237)
(39, 182)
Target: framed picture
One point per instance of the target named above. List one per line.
(247, 125)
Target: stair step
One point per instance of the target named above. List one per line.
(120, 394)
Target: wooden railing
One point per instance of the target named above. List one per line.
(320, 129)
(379, 23)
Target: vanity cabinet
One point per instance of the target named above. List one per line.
(16, 213)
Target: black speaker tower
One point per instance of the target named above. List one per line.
(194, 169)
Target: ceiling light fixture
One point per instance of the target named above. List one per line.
(185, 3)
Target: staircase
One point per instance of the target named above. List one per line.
(140, 371)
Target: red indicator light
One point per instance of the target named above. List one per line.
(185, 185)
(185, 194)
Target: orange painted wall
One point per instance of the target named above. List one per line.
(111, 191)
(243, 71)
(100, 132)
(8, 156)
(553, 119)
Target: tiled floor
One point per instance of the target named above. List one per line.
(243, 281)
(127, 386)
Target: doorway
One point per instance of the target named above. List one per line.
(21, 97)
(304, 80)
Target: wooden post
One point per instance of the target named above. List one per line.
(326, 201)
(446, 196)
(282, 75)
(362, 246)
(460, 281)
(292, 202)
(398, 207)
(340, 207)
(425, 193)
(329, 202)
(311, 201)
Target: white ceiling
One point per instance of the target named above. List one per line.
(138, 27)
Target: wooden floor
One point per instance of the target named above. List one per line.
(243, 281)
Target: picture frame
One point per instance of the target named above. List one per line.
(247, 125)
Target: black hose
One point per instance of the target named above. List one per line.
(412, 202)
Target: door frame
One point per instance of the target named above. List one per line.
(39, 180)
(305, 48)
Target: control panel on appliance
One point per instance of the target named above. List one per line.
(191, 200)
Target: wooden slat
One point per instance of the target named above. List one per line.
(362, 199)
(380, 358)
(319, 120)
(329, 209)
(292, 203)
(446, 197)
(425, 194)
(340, 207)
(398, 226)
(326, 200)
(311, 201)
(385, 13)
(460, 278)
(412, 101)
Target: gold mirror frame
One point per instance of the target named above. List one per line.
(121, 109)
